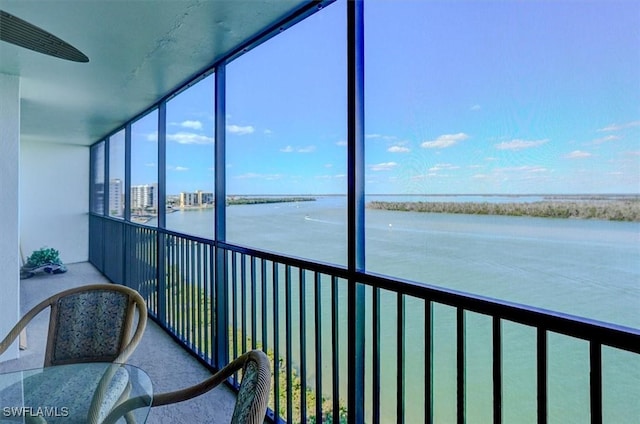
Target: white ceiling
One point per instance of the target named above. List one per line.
(138, 52)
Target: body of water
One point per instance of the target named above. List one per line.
(586, 268)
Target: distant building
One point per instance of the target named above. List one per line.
(116, 197)
(199, 198)
(144, 197)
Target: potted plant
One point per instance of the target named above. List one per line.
(45, 259)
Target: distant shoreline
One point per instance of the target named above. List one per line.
(628, 196)
(242, 200)
(603, 208)
(610, 207)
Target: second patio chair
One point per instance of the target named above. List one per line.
(253, 396)
(251, 402)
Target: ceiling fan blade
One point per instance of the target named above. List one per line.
(21, 33)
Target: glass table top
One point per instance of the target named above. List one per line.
(95, 392)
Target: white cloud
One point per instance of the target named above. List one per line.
(384, 166)
(419, 177)
(445, 140)
(578, 154)
(341, 143)
(189, 138)
(307, 149)
(194, 125)
(329, 177)
(442, 167)
(398, 149)
(524, 173)
(240, 130)
(618, 127)
(150, 164)
(606, 139)
(381, 137)
(291, 149)
(267, 132)
(252, 175)
(178, 168)
(518, 144)
(524, 168)
(476, 107)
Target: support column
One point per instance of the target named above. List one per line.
(10, 211)
(356, 206)
(220, 286)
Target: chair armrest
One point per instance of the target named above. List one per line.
(22, 324)
(202, 387)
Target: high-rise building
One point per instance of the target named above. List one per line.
(144, 197)
(199, 198)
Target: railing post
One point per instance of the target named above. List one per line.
(542, 374)
(460, 365)
(595, 381)
(497, 370)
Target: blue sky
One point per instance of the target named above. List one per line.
(461, 97)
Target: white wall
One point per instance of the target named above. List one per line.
(9, 211)
(54, 199)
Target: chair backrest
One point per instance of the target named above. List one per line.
(93, 324)
(88, 324)
(253, 396)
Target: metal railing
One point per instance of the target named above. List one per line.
(431, 354)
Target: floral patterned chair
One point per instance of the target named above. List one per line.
(91, 325)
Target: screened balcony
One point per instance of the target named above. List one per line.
(358, 327)
(275, 199)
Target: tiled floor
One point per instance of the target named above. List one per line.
(169, 366)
